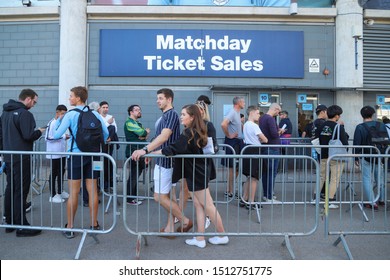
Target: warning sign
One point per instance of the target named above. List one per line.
(314, 65)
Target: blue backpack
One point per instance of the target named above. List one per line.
(89, 136)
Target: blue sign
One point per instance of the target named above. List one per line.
(205, 53)
(380, 100)
(307, 107)
(263, 97)
(301, 98)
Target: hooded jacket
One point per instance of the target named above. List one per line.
(17, 131)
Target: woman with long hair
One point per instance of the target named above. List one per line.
(195, 171)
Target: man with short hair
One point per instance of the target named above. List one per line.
(134, 132)
(232, 128)
(109, 149)
(325, 134)
(268, 126)
(369, 166)
(167, 132)
(57, 162)
(79, 167)
(18, 133)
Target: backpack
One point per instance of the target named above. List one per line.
(377, 137)
(89, 136)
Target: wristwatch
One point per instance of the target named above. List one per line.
(146, 150)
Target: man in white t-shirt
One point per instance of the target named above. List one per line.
(57, 161)
(252, 167)
(112, 130)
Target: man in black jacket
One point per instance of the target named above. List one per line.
(18, 133)
(368, 165)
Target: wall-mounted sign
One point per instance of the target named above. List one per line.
(301, 98)
(206, 53)
(263, 98)
(314, 65)
(307, 107)
(380, 100)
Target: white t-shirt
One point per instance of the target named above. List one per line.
(106, 118)
(251, 133)
(54, 145)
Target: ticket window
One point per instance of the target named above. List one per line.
(266, 99)
(382, 107)
(306, 106)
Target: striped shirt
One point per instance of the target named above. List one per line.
(170, 120)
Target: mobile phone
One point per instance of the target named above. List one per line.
(284, 126)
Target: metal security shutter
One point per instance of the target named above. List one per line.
(376, 57)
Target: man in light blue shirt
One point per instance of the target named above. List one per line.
(79, 167)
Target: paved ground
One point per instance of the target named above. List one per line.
(120, 244)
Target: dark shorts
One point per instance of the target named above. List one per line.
(80, 167)
(251, 167)
(237, 145)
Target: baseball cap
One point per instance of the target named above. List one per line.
(321, 108)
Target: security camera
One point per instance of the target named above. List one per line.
(369, 21)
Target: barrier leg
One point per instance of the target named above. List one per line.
(287, 243)
(139, 244)
(80, 245)
(345, 245)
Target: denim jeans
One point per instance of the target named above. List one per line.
(370, 168)
(270, 169)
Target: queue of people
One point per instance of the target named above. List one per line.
(197, 138)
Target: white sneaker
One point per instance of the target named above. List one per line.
(272, 200)
(265, 199)
(333, 206)
(56, 199)
(207, 222)
(195, 242)
(64, 195)
(217, 240)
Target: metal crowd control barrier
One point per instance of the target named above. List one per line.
(372, 218)
(292, 215)
(45, 215)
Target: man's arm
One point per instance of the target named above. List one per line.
(224, 126)
(156, 143)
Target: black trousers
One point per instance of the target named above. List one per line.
(136, 168)
(18, 187)
(57, 173)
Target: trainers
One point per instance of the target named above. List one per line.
(217, 240)
(265, 198)
(207, 222)
(28, 207)
(68, 234)
(56, 199)
(272, 200)
(242, 203)
(381, 203)
(369, 206)
(237, 196)
(28, 232)
(195, 242)
(333, 206)
(134, 202)
(64, 195)
(228, 194)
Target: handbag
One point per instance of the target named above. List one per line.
(316, 142)
(209, 148)
(336, 142)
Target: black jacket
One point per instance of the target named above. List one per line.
(17, 128)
